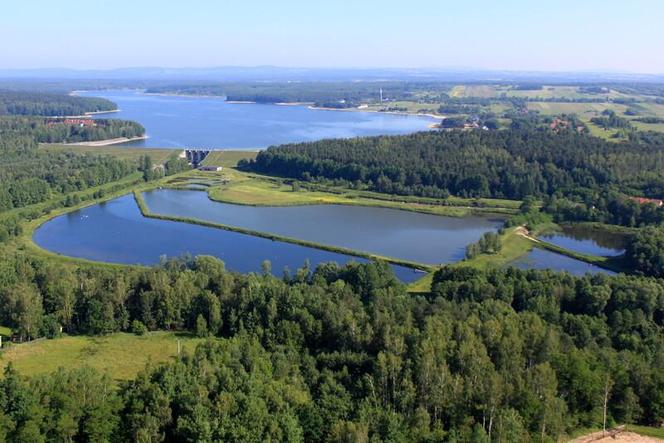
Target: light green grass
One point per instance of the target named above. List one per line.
(658, 127)
(251, 189)
(411, 107)
(422, 285)
(583, 110)
(120, 355)
(228, 159)
(158, 155)
(547, 92)
(513, 247)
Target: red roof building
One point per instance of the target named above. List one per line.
(644, 201)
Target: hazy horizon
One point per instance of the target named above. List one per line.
(513, 35)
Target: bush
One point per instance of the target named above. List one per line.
(138, 328)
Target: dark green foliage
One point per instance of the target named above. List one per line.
(650, 120)
(345, 352)
(645, 251)
(68, 405)
(57, 131)
(610, 119)
(605, 207)
(138, 328)
(488, 244)
(50, 104)
(29, 175)
(504, 164)
(327, 94)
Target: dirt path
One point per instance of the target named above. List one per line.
(617, 435)
(523, 232)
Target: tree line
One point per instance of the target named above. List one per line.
(340, 353)
(59, 131)
(513, 163)
(50, 103)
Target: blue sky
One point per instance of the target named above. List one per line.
(561, 35)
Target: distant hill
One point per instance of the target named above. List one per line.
(275, 73)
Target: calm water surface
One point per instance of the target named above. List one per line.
(542, 259)
(173, 121)
(115, 231)
(406, 235)
(587, 241)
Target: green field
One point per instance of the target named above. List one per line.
(228, 159)
(547, 92)
(583, 110)
(513, 247)
(158, 155)
(251, 189)
(120, 355)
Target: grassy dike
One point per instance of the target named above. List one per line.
(395, 261)
(250, 189)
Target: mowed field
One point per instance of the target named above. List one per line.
(122, 356)
(252, 189)
(228, 159)
(546, 92)
(583, 110)
(158, 155)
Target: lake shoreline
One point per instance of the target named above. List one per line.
(376, 111)
(108, 142)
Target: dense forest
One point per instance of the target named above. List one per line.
(340, 354)
(29, 175)
(50, 104)
(337, 94)
(64, 131)
(515, 163)
(509, 164)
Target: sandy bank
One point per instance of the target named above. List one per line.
(108, 142)
(322, 108)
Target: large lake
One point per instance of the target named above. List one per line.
(406, 235)
(115, 231)
(176, 121)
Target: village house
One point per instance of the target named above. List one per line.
(644, 201)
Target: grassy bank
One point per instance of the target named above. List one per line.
(611, 263)
(120, 355)
(515, 244)
(340, 250)
(228, 159)
(256, 190)
(513, 247)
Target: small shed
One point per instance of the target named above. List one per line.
(210, 168)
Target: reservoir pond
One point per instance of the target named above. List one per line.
(587, 241)
(406, 235)
(116, 231)
(543, 259)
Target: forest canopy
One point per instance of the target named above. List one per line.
(342, 353)
(50, 104)
(502, 164)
